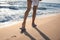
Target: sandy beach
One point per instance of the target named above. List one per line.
(48, 28)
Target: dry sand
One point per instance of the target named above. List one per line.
(48, 28)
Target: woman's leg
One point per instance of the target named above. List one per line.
(27, 12)
(25, 15)
(34, 15)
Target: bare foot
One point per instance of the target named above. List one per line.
(34, 25)
(23, 30)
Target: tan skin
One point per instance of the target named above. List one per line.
(29, 4)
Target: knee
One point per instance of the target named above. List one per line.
(35, 7)
(28, 9)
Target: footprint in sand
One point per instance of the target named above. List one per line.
(13, 36)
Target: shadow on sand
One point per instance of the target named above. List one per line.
(42, 34)
(28, 35)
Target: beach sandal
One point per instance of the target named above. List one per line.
(23, 30)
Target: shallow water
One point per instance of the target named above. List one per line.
(14, 11)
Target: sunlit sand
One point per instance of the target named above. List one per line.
(47, 28)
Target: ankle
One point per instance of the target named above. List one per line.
(23, 23)
(33, 23)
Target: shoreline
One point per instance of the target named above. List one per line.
(28, 19)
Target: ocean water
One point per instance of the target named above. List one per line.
(14, 11)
